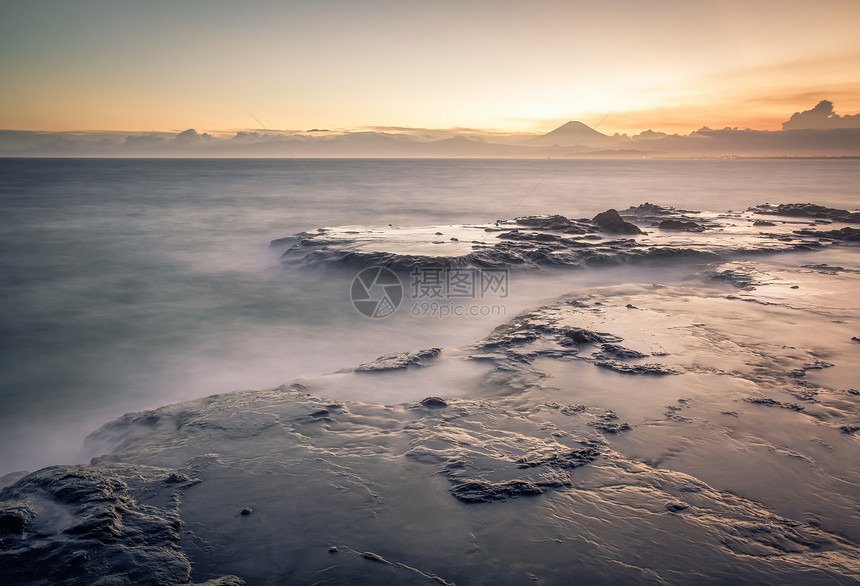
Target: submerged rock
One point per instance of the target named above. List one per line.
(680, 225)
(374, 557)
(434, 402)
(608, 423)
(621, 352)
(768, 401)
(740, 277)
(554, 222)
(847, 234)
(580, 336)
(482, 491)
(808, 210)
(625, 368)
(400, 360)
(649, 209)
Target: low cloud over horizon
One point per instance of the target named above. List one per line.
(819, 131)
(821, 117)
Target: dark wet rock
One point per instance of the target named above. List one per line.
(538, 241)
(570, 459)
(669, 254)
(826, 269)
(750, 300)
(580, 336)
(332, 549)
(849, 429)
(567, 409)
(647, 369)
(612, 427)
(808, 210)
(555, 222)
(176, 478)
(763, 223)
(676, 506)
(804, 394)
(855, 339)
(434, 402)
(516, 457)
(666, 218)
(14, 517)
(671, 414)
(729, 413)
(686, 226)
(374, 557)
(530, 236)
(648, 209)
(769, 402)
(482, 491)
(608, 423)
(246, 511)
(400, 360)
(816, 365)
(846, 234)
(621, 352)
(854, 392)
(91, 523)
(511, 338)
(741, 278)
(611, 221)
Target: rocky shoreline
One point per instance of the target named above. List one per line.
(680, 434)
(669, 234)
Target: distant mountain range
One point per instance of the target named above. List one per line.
(817, 132)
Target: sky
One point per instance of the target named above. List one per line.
(619, 65)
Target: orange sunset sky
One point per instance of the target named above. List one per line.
(498, 65)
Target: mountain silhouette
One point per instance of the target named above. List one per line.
(570, 134)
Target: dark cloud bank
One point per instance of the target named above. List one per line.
(818, 132)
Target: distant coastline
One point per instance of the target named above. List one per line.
(817, 133)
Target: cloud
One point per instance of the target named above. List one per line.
(649, 135)
(191, 136)
(143, 140)
(821, 117)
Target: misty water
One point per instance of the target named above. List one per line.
(129, 284)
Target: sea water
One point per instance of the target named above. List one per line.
(129, 284)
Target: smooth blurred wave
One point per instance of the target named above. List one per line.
(128, 284)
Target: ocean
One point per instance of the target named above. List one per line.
(130, 284)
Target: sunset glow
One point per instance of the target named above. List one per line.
(493, 65)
